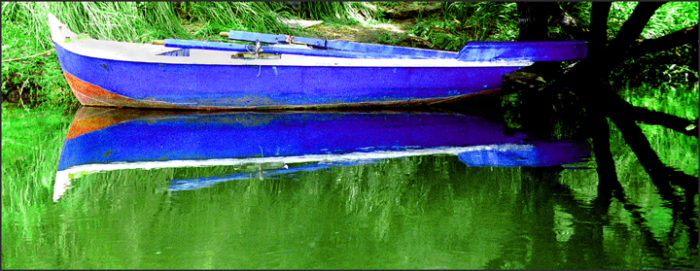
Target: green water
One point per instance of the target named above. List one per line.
(418, 212)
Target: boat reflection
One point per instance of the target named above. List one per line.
(105, 139)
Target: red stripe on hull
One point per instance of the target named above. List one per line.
(93, 95)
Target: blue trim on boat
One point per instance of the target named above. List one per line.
(238, 47)
(266, 38)
(523, 50)
(472, 51)
(376, 50)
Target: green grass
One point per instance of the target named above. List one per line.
(461, 22)
(670, 17)
(336, 12)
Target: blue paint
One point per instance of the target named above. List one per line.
(523, 50)
(472, 51)
(261, 37)
(244, 135)
(227, 46)
(237, 86)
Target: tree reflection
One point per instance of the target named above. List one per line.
(589, 81)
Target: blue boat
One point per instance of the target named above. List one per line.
(282, 72)
(104, 139)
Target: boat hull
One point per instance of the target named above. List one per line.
(108, 82)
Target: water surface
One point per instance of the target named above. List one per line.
(147, 189)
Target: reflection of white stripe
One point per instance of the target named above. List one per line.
(289, 159)
(63, 180)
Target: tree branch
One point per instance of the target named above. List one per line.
(686, 35)
(681, 125)
(28, 57)
(599, 24)
(633, 27)
(597, 39)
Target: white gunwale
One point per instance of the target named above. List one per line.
(150, 53)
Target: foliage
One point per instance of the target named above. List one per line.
(468, 21)
(670, 17)
(385, 38)
(676, 66)
(389, 3)
(580, 11)
(495, 21)
(224, 16)
(336, 12)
